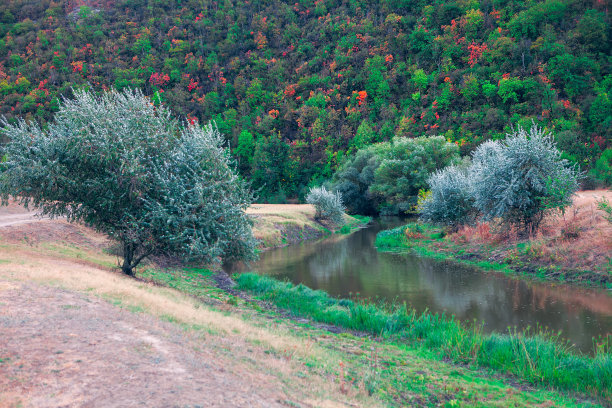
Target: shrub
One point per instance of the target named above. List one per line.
(354, 178)
(602, 170)
(521, 177)
(128, 169)
(328, 205)
(450, 200)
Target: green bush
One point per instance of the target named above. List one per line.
(387, 177)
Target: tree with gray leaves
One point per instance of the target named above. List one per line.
(520, 178)
(127, 168)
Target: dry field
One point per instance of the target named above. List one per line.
(283, 224)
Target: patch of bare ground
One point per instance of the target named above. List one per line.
(278, 225)
(60, 348)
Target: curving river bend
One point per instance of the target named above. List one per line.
(351, 266)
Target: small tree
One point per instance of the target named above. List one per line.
(521, 177)
(126, 168)
(328, 205)
(450, 200)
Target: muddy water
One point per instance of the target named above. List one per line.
(350, 266)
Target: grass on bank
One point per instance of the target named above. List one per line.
(539, 357)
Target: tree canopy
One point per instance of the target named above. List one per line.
(125, 167)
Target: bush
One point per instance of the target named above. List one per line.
(602, 171)
(328, 205)
(127, 168)
(450, 200)
(354, 178)
(521, 177)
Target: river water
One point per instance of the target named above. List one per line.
(351, 266)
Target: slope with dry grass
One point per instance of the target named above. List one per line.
(277, 225)
(575, 246)
(76, 332)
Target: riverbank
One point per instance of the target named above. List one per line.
(575, 248)
(277, 225)
(179, 321)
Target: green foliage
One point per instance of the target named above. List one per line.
(602, 170)
(539, 358)
(328, 205)
(354, 178)
(281, 69)
(604, 205)
(128, 169)
(386, 177)
(405, 167)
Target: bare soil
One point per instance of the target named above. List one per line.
(63, 349)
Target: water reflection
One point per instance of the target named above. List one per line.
(344, 265)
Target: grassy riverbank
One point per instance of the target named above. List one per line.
(539, 358)
(575, 248)
(301, 362)
(277, 225)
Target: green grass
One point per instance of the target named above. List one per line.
(428, 241)
(359, 221)
(540, 358)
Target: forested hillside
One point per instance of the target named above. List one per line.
(298, 86)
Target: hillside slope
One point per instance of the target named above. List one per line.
(296, 85)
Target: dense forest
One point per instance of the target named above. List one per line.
(297, 87)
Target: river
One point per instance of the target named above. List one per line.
(351, 266)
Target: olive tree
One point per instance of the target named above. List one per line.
(520, 178)
(128, 169)
(449, 200)
(328, 205)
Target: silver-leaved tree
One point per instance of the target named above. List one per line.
(128, 169)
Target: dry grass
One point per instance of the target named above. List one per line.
(579, 239)
(282, 224)
(233, 333)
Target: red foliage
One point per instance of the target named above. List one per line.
(159, 79)
(192, 85)
(476, 52)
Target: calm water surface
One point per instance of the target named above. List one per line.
(350, 265)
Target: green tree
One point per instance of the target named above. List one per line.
(405, 168)
(128, 169)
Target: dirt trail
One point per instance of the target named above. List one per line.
(64, 349)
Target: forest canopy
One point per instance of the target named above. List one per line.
(296, 87)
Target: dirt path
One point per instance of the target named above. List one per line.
(63, 349)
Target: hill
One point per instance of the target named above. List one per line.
(296, 86)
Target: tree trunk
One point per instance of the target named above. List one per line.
(128, 255)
